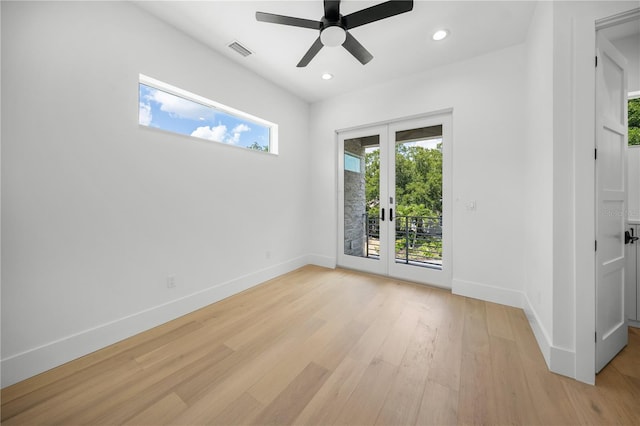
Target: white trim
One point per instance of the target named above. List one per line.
(323, 261)
(37, 360)
(617, 19)
(487, 293)
(563, 361)
(539, 332)
(396, 120)
(633, 95)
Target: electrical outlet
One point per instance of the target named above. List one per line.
(171, 281)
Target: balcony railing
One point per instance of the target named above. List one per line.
(418, 239)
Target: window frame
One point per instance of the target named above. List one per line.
(217, 106)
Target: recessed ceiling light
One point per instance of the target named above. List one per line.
(327, 76)
(440, 35)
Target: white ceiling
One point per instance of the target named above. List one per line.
(401, 45)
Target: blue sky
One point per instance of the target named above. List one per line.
(170, 112)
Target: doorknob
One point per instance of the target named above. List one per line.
(629, 238)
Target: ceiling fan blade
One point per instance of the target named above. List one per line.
(377, 12)
(356, 49)
(332, 9)
(287, 20)
(311, 53)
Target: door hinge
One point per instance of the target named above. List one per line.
(595, 337)
(596, 247)
(595, 154)
(596, 61)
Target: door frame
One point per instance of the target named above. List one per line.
(444, 117)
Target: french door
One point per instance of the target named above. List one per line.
(394, 188)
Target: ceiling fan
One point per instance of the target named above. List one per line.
(334, 27)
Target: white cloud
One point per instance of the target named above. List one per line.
(216, 133)
(220, 133)
(144, 114)
(241, 128)
(180, 107)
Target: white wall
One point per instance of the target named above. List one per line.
(488, 146)
(537, 225)
(97, 211)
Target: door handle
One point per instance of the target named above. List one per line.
(629, 238)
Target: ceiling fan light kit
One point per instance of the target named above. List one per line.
(333, 36)
(334, 27)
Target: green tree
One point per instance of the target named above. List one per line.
(372, 181)
(258, 147)
(418, 181)
(634, 121)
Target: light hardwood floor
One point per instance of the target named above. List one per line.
(320, 346)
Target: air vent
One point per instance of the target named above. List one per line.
(240, 49)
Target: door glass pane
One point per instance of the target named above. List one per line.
(418, 193)
(362, 197)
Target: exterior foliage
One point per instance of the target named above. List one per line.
(634, 121)
(418, 181)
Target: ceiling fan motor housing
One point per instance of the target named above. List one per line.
(333, 33)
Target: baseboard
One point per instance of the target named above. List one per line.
(324, 261)
(487, 293)
(539, 332)
(37, 360)
(559, 360)
(563, 361)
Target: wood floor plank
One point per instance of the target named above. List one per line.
(321, 347)
(476, 399)
(476, 334)
(333, 354)
(509, 384)
(439, 405)
(622, 398)
(395, 345)
(447, 356)
(547, 391)
(292, 400)
(332, 397)
(160, 413)
(405, 395)
(240, 412)
(274, 381)
(498, 324)
(212, 401)
(366, 400)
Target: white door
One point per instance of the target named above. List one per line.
(394, 182)
(362, 188)
(611, 212)
(420, 225)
